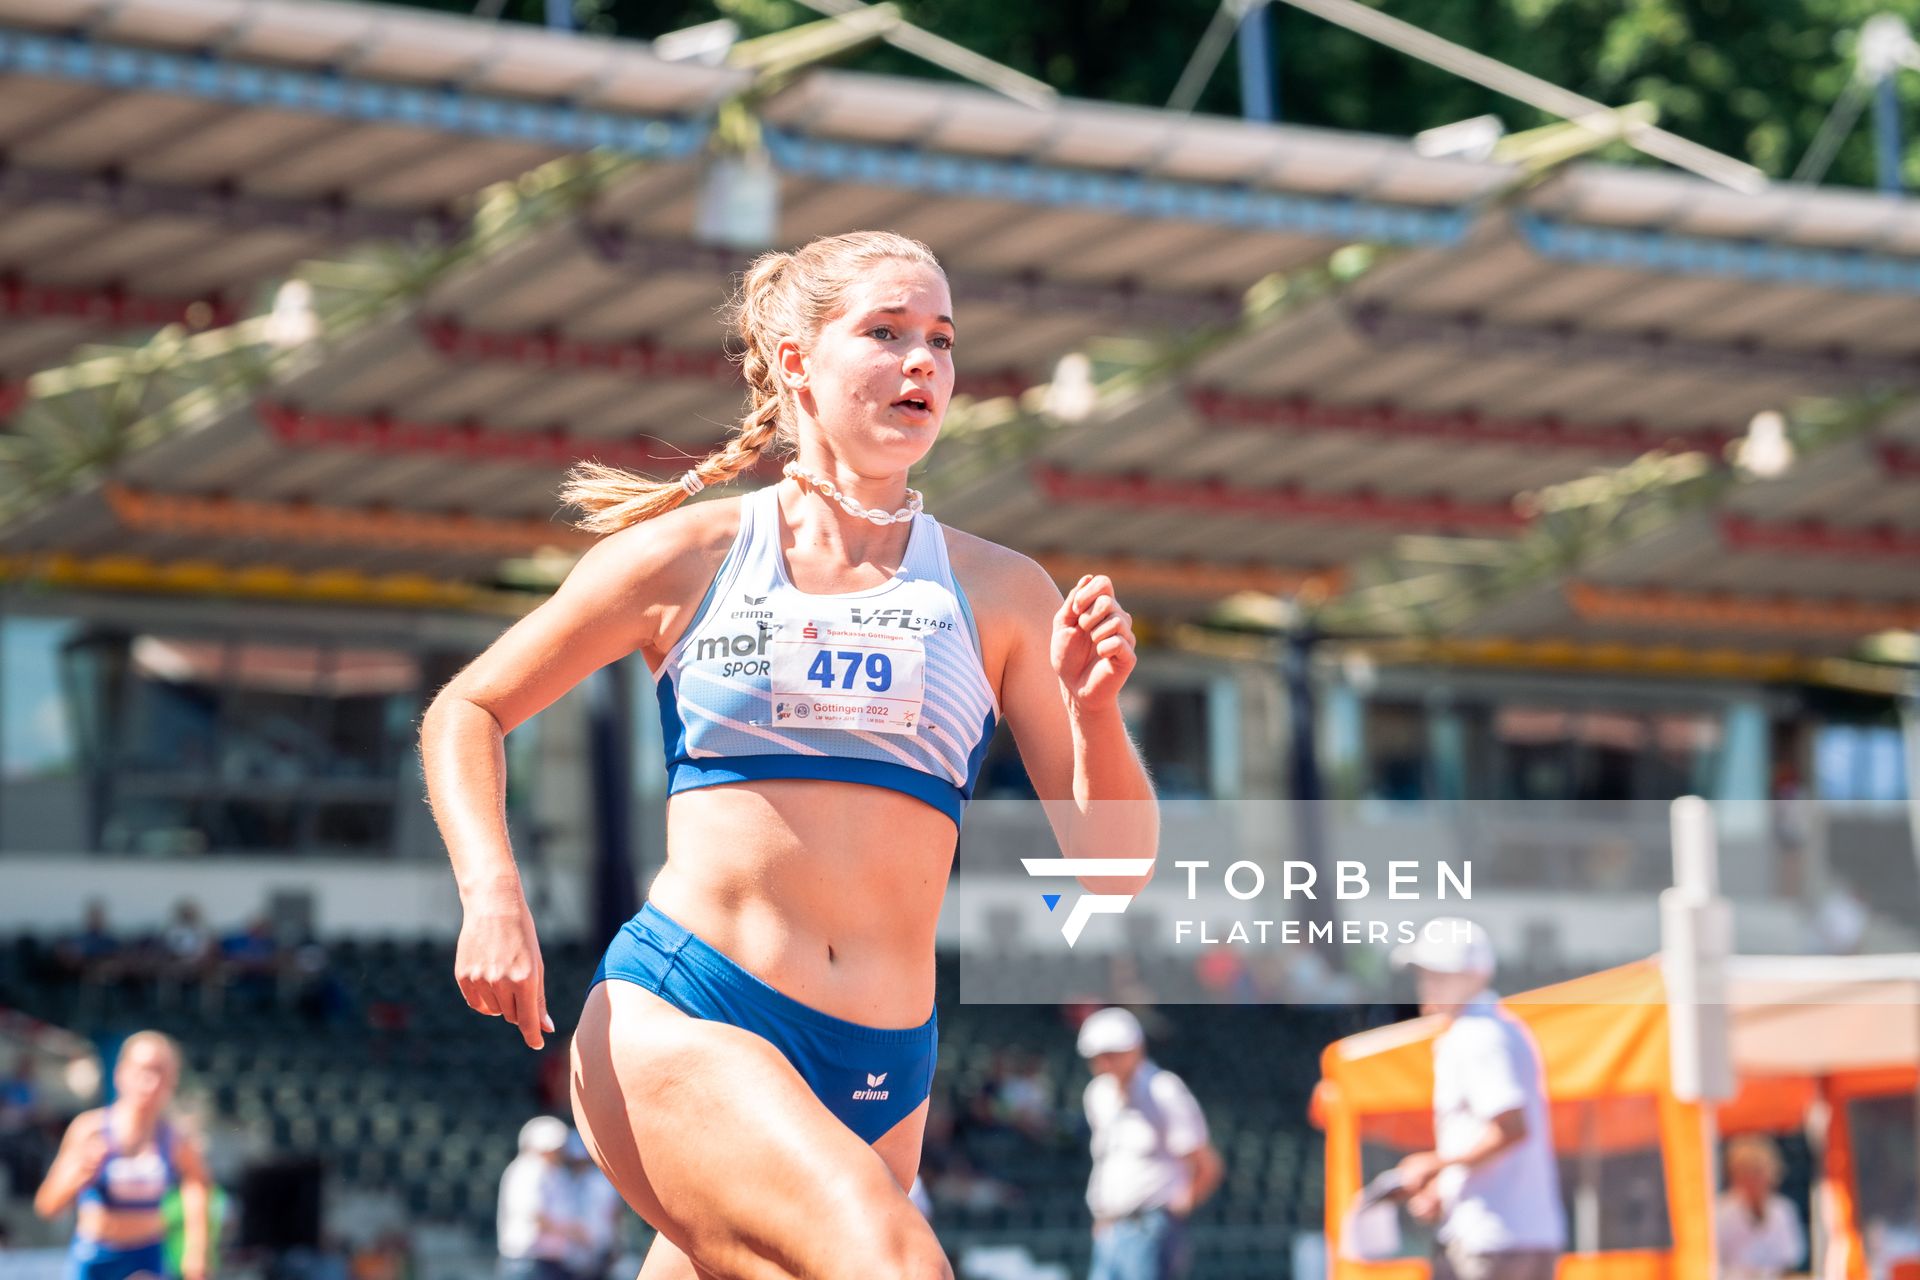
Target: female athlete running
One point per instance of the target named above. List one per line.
(753, 1062)
(119, 1162)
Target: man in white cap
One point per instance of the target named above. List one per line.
(538, 1230)
(1152, 1162)
(1491, 1181)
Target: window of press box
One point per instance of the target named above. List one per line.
(1171, 721)
(1485, 748)
(149, 743)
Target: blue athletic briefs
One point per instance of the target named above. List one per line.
(91, 1260)
(870, 1077)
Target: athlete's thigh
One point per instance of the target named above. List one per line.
(713, 1137)
(668, 1261)
(900, 1146)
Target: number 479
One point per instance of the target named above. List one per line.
(879, 669)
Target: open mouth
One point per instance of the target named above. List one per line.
(917, 404)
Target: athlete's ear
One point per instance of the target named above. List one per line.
(790, 364)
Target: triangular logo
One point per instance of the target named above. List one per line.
(1051, 899)
(875, 1081)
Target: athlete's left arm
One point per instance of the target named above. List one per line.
(196, 1207)
(1066, 660)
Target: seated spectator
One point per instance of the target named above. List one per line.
(92, 953)
(1026, 1099)
(250, 962)
(319, 994)
(187, 945)
(387, 1258)
(1758, 1229)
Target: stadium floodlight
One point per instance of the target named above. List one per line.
(706, 44)
(1886, 45)
(739, 201)
(1472, 139)
(1767, 450)
(1072, 396)
(1894, 648)
(292, 322)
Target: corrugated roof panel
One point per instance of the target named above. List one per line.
(434, 178)
(30, 105)
(215, 261)
(100, 132)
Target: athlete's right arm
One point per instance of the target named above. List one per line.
(82, 1152)
(622, 596)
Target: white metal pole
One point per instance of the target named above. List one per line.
(1696, 929)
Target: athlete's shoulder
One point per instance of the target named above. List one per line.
(688, 542)
(996, 575)
(88, 1123)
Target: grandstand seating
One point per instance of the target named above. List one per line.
(406, 1091)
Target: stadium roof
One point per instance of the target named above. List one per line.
(169, 160)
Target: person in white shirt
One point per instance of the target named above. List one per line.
(1491, 1183)
(1152, 1161)
(921, 1200)
(596, 1210)
(538, 1230)
(1758, 1230)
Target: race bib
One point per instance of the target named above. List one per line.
(840, 675)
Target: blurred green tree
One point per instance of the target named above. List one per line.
(1752, 78)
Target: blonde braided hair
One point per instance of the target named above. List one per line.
(782, 295)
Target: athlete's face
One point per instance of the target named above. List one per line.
(145, 1075)
(878, 376)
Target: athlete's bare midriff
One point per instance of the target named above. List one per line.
(119, 1228)
(827, 891)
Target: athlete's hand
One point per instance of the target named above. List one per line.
(1093, 644)
(498, 967)
(91, 1154)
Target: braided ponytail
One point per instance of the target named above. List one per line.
(782, 295)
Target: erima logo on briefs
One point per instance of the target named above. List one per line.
(1087, 905)
(873, 1092)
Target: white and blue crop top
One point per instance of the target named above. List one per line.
(883, 686)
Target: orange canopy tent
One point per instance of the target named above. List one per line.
(1809, 1034)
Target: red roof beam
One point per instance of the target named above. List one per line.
(109, 305)
(1817, 538)
(1283, 502)
(1303, 413)
(468, 441)
(1899, 461)
(635, 357)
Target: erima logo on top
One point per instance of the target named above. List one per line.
(751, 612)
(873, 1092)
